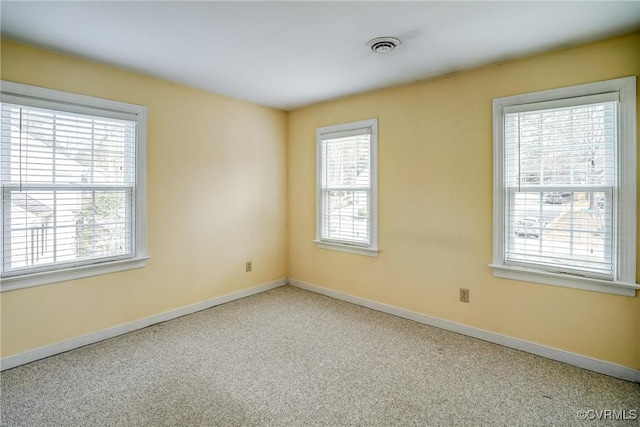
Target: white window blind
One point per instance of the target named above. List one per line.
(68, 188)
(560, 167)
(346, 189)
(346, 181)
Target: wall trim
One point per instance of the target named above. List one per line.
(596, 365)
(94, 337)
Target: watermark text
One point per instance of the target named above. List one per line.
(608, 414)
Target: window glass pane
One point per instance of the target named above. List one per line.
(49, 227)
(346, 216)
(347, 161)
(563, 146)
(47, 147)
(562, 230)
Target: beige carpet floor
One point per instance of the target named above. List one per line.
(289, 357)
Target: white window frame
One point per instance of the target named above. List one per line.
(335, 131)
(623, 282)
(39, 97)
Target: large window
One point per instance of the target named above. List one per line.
(347, 187)
(564, 187)
(72, 186)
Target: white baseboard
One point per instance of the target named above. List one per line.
(584, 362)
(61, 347)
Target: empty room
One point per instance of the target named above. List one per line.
(306, 213)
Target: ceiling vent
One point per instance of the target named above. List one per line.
(383, 44)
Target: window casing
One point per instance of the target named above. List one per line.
(72, 175)
(347, 200)
(565, 187)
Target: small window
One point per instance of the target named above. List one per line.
(72, 186)
(347, 187)
(564, 187)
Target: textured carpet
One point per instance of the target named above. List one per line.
(289, 357)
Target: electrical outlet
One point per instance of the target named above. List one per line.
(248, 266)
(464, 295)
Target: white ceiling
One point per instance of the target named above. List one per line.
(290, 54)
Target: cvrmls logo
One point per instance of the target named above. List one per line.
(608, 414)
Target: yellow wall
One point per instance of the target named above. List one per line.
(216, 197)
(224, 187)
(435, 198)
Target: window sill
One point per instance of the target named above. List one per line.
(358, 250)
(567, 281)
(72, 273)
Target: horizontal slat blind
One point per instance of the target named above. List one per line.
(346, 189)
(560, 176)
(68, 184)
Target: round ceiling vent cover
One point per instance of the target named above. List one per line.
(383, 44)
